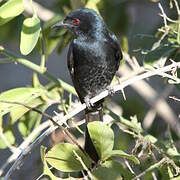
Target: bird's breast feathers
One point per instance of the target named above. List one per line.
(94, 52)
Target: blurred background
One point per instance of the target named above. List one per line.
(135, 23)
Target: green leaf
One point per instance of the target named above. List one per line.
(9, 137)
(30, 121)
(162, 51)
(29, 34)
(10, 10)
(136, 124)
(62, 157)
(102, 137)
(20, 95)
(150, 138)
(164, 172)
(122, 154)
(20, 111)
(171, 176)
(46, 170)
(111, 170)
(133, 124)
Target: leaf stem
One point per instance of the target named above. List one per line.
(43, 55)
(33, 9)
(38, 69)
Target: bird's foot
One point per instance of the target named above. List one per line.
(88, 103)
(122, 90)
(118, 75)
(111, 91)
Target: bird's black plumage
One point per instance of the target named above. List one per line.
(94, 54)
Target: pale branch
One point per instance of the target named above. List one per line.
(43, 13)
(59, 123)
(163, 15)
(158, 102)
(169, 19)
(5, 140)
(81, 107)
(149, 118)
(129, 167)
(150, 95)
(24, 152)
(19, 151)
(174, 98)
(157, 44)
(154, 176)
(24, 145)
(150, 169)
(177, 7)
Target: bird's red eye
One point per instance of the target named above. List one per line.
(76, 22)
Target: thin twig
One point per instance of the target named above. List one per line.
(24, 145)
(83, 164)
(177, 7)
(174, 98)
(163, 15)
(58, 124)
(165, 26)
(154, 176)
(160, 163)
(149, 94)
(151, 114)
(169, 19)
(25, 151)
(3, 137)
(38, 69)
(129, 167)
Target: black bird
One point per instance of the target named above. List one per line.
(93, 59)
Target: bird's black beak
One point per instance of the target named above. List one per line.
(59, 24)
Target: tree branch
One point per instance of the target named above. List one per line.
(154, 166)
(24, 145)
(43, 13)
(149, 94)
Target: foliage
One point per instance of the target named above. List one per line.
(25, 106)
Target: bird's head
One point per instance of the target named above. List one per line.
(82, 21)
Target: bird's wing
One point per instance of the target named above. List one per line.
(70, 60)
(118, 52)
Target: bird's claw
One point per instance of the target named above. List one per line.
(111, 91)
(122, 90)
(88, 103)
